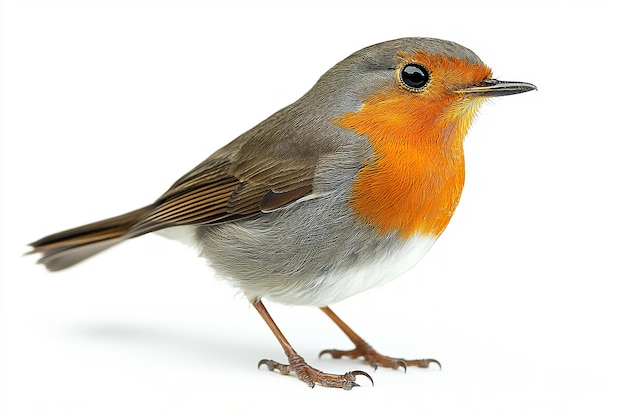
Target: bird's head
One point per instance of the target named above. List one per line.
(427, 88)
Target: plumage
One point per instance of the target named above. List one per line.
(339, 192)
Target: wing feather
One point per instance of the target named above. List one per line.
(221, 190)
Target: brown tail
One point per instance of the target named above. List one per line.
(64, 249)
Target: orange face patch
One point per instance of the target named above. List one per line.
(415, 181)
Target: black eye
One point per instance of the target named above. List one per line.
(414, 76)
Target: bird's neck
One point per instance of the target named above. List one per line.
(415, 180)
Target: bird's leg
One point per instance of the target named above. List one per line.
(297, 365)
(363, 349)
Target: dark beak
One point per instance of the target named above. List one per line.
(494, 88)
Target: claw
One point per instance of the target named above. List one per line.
(365, 374)
(433, 361)
(400, 363)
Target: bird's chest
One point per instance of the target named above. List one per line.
(410, 188)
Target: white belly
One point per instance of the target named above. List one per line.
(336, 286)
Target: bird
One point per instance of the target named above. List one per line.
(339, 192)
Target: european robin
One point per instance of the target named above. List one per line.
(339, 192)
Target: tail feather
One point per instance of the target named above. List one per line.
(64, 249)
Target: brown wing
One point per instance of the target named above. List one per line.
(219, 190)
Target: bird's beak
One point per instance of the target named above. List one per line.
(490, 87)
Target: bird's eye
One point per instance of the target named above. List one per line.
(414, 76)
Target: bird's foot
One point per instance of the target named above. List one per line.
(375, 359)
(312, 376)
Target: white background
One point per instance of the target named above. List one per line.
(105, 104)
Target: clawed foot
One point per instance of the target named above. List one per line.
(312, 376)
(375, 359)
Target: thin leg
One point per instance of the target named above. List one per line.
(303, 371)
(363, 349)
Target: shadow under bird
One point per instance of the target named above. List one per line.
(339, 192)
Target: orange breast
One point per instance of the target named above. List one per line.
(415, 181)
